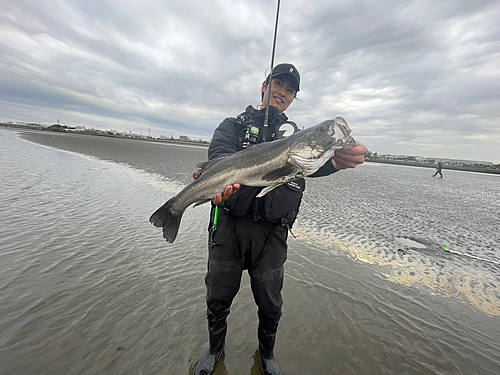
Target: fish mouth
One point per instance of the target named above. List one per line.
(341, 127)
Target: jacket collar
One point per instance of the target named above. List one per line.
(259, 115)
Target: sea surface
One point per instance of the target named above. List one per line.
(89, 286)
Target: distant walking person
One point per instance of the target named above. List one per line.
(438, 170)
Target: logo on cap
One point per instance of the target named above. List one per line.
(291, 70)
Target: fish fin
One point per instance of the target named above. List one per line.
(202, 202)
(164, 217)
(202, 165)
(310, 165)
(267, 189)
(279, 173)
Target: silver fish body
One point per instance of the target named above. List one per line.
(268, 164)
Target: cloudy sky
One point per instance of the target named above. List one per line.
(411, 77)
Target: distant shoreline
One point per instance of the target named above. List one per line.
(105, 134)
(206, 145)
(451, 167)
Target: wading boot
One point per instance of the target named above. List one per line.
(267, 338)
(270, 366)
(208, 363)
(217, 329)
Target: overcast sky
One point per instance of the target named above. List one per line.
(410, 77)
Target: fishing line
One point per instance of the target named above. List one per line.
(266, 118)
(470, 256)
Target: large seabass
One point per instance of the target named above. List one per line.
(268, 164)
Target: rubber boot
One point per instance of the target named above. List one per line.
(267, 338)
(217, 329)
(208, 363)
(270, 366)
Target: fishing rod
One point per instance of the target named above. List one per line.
(470, 256)
(266, 118)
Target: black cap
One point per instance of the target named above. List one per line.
(291, 71)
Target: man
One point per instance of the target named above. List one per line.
(438, 170)
(248, 233)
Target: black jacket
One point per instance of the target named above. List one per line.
(281, 205)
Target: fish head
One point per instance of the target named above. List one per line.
(321, 139)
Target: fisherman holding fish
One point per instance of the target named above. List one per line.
(248, 230)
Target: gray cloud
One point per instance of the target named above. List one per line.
(417, 77)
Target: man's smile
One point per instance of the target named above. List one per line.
(279, 100)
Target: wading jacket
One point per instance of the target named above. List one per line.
(280, 205)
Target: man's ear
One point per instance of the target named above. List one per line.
(263, 88)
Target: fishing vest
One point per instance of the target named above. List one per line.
(280, 205)
(251, 133)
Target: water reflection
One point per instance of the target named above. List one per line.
(88, 286)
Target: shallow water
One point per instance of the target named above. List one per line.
(88, 286)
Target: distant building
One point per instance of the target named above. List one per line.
(184, 138)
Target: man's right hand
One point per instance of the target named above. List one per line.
(197, 174)
(230, 190)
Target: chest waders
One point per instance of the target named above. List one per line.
(246, 233)
(237, 243)
(247, 262)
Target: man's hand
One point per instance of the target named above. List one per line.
(230, 190)
(349, 157)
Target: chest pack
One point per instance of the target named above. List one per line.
(281, 205)
(251, 133)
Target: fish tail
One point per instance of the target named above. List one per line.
(166, 218)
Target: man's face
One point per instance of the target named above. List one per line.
(282, 94)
